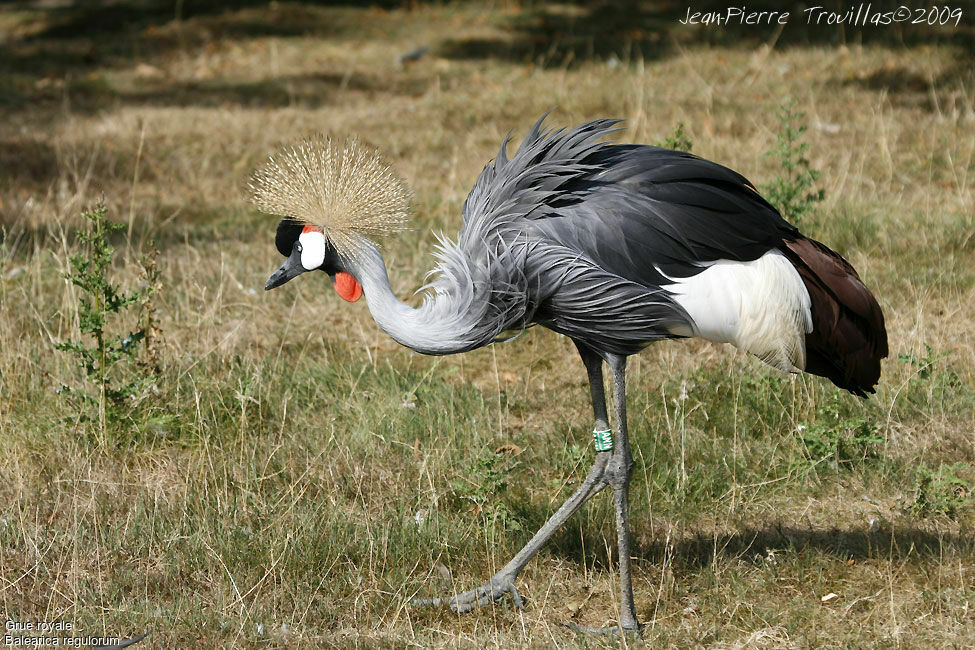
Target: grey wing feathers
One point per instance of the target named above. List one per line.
(629, 215)
(643, 212)
(485, 270)
(586, 237)
(511, 188)
(652, 213)
(576, 297)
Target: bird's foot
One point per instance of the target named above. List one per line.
(612, 630)
(486, 594)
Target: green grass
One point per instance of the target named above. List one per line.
(293, 477)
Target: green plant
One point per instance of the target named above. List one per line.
(482, 485)
(924, 364)
(934, 382)
(939, 491)
(150, 323)
(108, 360)
(839, 441)
(678, 140)
(793, 190)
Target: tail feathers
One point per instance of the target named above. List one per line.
(848, 338)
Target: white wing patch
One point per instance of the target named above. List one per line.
(312, 249)
(761, 307)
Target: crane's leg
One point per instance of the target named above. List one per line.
(503, 582)
(617, 475)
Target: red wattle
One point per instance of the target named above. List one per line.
(347, 287)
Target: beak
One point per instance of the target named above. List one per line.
(291, 268)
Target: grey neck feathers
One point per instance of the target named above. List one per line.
(454, 315)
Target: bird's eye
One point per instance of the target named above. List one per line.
(298, 247)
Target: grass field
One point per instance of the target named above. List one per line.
(290, 477)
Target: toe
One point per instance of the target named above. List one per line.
(519, 603)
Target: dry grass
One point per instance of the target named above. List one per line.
(298, 476)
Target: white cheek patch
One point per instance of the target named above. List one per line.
(312, 249)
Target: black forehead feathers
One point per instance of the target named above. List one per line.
(287, 235)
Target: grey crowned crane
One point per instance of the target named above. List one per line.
(615, 246)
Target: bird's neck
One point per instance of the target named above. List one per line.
(431, 328)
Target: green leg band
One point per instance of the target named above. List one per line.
(603, 439)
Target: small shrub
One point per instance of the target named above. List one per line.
(843, 443)
(114, 378)
(482, 485)
(840, 441)
(793, 190)
(924, 364)
(934, 384)
(148, 319)
(940, 491)
(678, 140)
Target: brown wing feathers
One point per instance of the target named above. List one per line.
(848, 338)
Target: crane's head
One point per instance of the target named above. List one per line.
(334, 197)
(307, 249)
